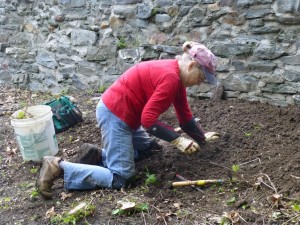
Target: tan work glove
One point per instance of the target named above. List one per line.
(211, 136)
(185, 145)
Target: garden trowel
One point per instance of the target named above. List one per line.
(196, 182)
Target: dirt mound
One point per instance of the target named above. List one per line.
(257, 157)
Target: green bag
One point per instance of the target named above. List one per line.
(65, 114)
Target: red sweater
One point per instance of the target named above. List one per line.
(145, 91)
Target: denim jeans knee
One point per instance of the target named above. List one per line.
(117, 142)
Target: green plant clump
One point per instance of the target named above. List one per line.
(121, 43)
(102, 89)
(33, 170)
(151, 178)
(154, 11)
(235, 168)
(67, 218)
(34, 193)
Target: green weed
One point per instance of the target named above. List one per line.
(34, 218)
(4, 202)
(102, 89)
(233, 190)
(225, 221)
(235, 168)
(151, 178)
(33, 170)
(221, 190)
(247, 134)
(90, 91)
(296, 207)
(246, 206)
(154, 11)
(7, 199)
(34, 193)
(257, 127)
(67, 218)
(64, 91)
(182, 213)
(61, 138)
(231, 201)
(26, 185)
(121, 43)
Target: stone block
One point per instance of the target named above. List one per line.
(126, 2)
(81, 37)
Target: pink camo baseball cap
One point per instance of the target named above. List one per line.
(206, 59)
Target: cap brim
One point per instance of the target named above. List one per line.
(210, 77)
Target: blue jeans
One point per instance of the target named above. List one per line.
(119, 145)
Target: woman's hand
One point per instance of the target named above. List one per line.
(185, 145)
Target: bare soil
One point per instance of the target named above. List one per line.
(260, 141)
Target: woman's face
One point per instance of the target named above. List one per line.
(195, 75)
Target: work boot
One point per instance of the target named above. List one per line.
(88, 154)
(49, 172)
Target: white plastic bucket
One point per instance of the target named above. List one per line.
(36, 136)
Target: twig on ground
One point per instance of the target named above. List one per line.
(268, 186)
(290, 199)
(258, 159)
(219, 165)
(200, 218)
(242, 218)
(144, 218)
(160, 213)
(165, 221)
(207, 210)
(295, 177)
(271, 183)
(91, 201)
(295, 217)
(230, 172)
(183, 221)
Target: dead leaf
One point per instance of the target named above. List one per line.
(50, 213)
(275, 200)
(126, 206)
(77, 208)
(65, 195)
(10, 151)
(233, 216)
(165, 215)
(259, 181)
(177, 205)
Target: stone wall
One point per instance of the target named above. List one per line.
(57, 45)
